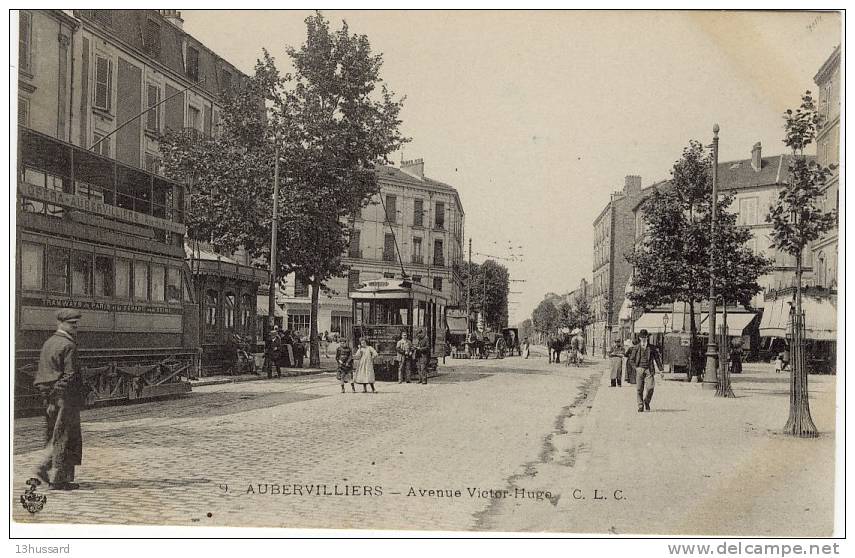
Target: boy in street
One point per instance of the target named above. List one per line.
(344, 358)
(404, 356)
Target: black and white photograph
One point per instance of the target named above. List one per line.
(395, 271)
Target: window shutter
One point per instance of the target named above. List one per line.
(109, 85)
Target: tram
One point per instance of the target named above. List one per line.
(383, 308)
(108, 239)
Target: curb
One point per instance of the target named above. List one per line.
(241, 379)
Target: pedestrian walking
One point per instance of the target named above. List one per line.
(616, 358)
(779, 363)
(273, 353)
(325, 343)
(344, 358)
(60, 383)
(646, 360)
(629, 353)
(526, 348)
(736, 357)
(404, 358)
(785, 359)
(422, 354)
(365, 369)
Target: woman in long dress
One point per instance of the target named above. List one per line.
(616, 357)
(365, 368)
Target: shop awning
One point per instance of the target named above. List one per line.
(736, 322)
(820, 318)
(652, 322)
(261, 308)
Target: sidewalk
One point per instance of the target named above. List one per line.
(695, 465)
(327, 365)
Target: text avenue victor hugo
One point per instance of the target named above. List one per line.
(378, 490)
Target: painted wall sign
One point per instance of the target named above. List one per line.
(84, 204)
(103, 306)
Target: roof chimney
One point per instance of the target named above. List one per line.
(756, 160)
(632, 184)
(173, 17)
(415, 168)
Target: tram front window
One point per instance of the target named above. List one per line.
(391, 312)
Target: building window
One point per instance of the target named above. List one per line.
(417, 278)
(301, 288)
(192, 63)
(123, 278)
(417, 250)
(173, 284)
(747, 211)
(353, 250)
(104, 276)
(340, 324)
(418, 213)
(32, 266)
(388, 248)
(194, 118)
(23, 112)
(437, 283)
(151, 39)
(152, 117)
(388, 275)
(391, 208)
(58, 272)
(247, 312)
(140, 280)
(226, 85)
(439, 216)
(352, 280)
(158, 282)
(211, 303)
(101, 146)
(103, 90)
(229, 310)
(438, 257)
(25, 41)
(152, 165)
(828, 101)
(298, 324)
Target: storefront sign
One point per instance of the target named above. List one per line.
(50, 302)
(84, 204)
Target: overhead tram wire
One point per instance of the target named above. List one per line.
(394, 236)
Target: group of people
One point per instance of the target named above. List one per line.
(407, 355)
(643, 360)
(282, 348)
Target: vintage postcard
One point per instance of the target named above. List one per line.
(567, 272)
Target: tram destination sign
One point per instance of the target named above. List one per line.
(99, 306)
(84, 204)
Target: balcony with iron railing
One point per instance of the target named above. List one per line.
(439, 260)
(418, 259)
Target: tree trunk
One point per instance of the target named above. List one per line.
(693, 337)
(799, 423)
(314, 347)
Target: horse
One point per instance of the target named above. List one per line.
(556, 344)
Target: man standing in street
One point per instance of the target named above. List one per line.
(273, 352)
(404, 356)
(645, 360)
(60, 382)
(422, 352)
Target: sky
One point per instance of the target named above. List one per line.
(536, 117)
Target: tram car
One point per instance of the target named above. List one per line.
(108, 239)
(383, 308)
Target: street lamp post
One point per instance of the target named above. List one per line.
(710, 371)
(271, 303)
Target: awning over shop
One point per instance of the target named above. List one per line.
(457, 324)
(736, 322)
(820, 318)
(261, 309)
(652, 322)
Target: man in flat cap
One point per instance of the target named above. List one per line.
(59, 380)
(646, 360)
(421, 350)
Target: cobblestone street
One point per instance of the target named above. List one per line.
(297, 453)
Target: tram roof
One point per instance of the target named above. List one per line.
(392, 288)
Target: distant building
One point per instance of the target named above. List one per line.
(614, 238)
(415, 225)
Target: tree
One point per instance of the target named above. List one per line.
(565, 315)
(672, 262)
(797, 220)
(583, 315)
(335, 122)
(489, 288)
(545, 317)
(526, 329)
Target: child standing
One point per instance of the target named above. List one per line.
(365, 369)
(344, 358)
